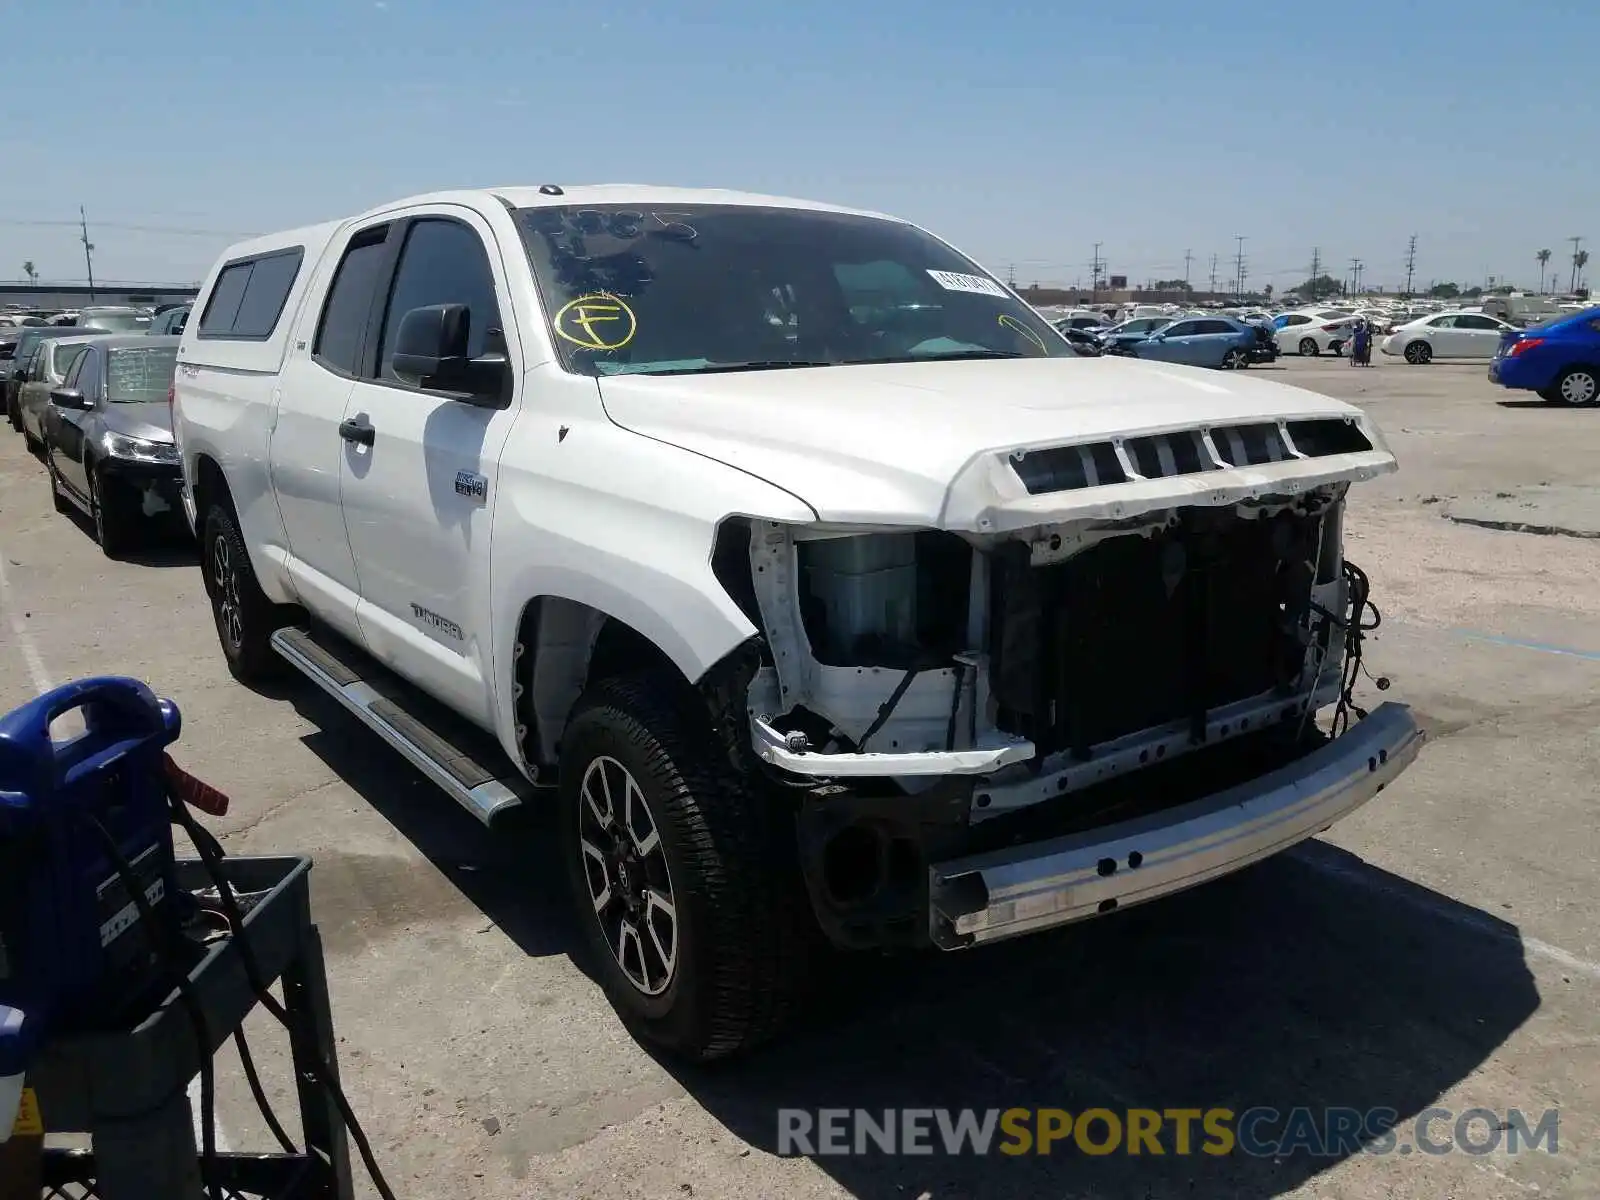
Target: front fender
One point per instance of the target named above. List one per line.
(625, 526)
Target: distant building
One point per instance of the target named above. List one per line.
(78, 295)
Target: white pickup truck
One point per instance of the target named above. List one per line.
(793, 557)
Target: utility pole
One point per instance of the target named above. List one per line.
(1411, 263)
(1011, 276)
(1238, 270)
(1316, 270)
(1094, 273)
(1213, 274)
(1577, 243)
(88, 249)
(1355, 276)
(1188, 257)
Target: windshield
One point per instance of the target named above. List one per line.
(117, 322)
(733, 287)
(140, 374)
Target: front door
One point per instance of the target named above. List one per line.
(64, 426)
(1172, 344)
(419, 470)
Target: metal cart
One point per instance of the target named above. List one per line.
(128, 1090)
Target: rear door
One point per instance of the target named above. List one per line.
(420, 471)
(324, 356)
(1447, 338)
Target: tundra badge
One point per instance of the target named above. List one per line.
(473, 486)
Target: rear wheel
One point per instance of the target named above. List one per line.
(1419, 354)
(1308, 347)
(1579, 385)
(13, 411)
(1235, 360)
(246, 619)
(690, 904)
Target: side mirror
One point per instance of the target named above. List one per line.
(70, 398)
(430, 350)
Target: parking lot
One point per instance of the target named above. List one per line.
(1440, 948)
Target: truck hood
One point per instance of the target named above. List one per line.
(932, 444)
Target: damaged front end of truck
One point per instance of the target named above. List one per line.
(1095, 683)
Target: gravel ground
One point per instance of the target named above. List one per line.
(1440, 948)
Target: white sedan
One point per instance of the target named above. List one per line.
(1311, 331)
(1446, 335)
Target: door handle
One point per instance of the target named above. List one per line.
(357, 431)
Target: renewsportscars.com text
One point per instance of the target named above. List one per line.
(1260, 1132)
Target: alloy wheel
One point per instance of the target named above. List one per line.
(1233, 360)
(1579, 387)
(96, 509)
(630, 886)
(1308, 347)
(225, 587)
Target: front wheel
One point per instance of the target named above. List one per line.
(57, 496)
(1235, 360)
(1578, 385)
(246, 619)
(1308, 347)
(1419, 354)
(689, 902)
(108, 509)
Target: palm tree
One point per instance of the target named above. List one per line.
(30, 272)
(1544, 257)
(1580, 260)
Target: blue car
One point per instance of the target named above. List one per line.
(1201, 342)
(1560, 359)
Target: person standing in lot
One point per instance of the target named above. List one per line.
(1361, 345)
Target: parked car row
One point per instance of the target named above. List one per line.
(94, 404)
(1213, 340)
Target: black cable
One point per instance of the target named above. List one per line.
(260, 1095)
(886, 710)
(191, 1003)
(955, 705)
(211, 854)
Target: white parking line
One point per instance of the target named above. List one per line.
(39, 676)
(1314, 855)
(30, 649)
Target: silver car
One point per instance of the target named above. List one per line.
(51, 362)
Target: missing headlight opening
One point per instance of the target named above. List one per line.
(1078, 651)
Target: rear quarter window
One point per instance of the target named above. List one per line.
(248, 298)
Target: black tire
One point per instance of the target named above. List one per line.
(13, 411)
(115, 527)
(1309, 348)
(57, 496)
(245, 618)
(33, 444)
(1235, 360)
(1419, 354)
(740, 931)
(1578, 385)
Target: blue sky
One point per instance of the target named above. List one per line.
(1022, 132)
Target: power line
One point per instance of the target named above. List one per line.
(123, 227)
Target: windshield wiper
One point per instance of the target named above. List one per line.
(951, 356)
(767, 364)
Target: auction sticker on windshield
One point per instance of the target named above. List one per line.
(954, 281)
(598, 321)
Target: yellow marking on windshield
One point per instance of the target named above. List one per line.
(598, 321)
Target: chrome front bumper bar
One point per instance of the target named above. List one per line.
(1023, 889)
